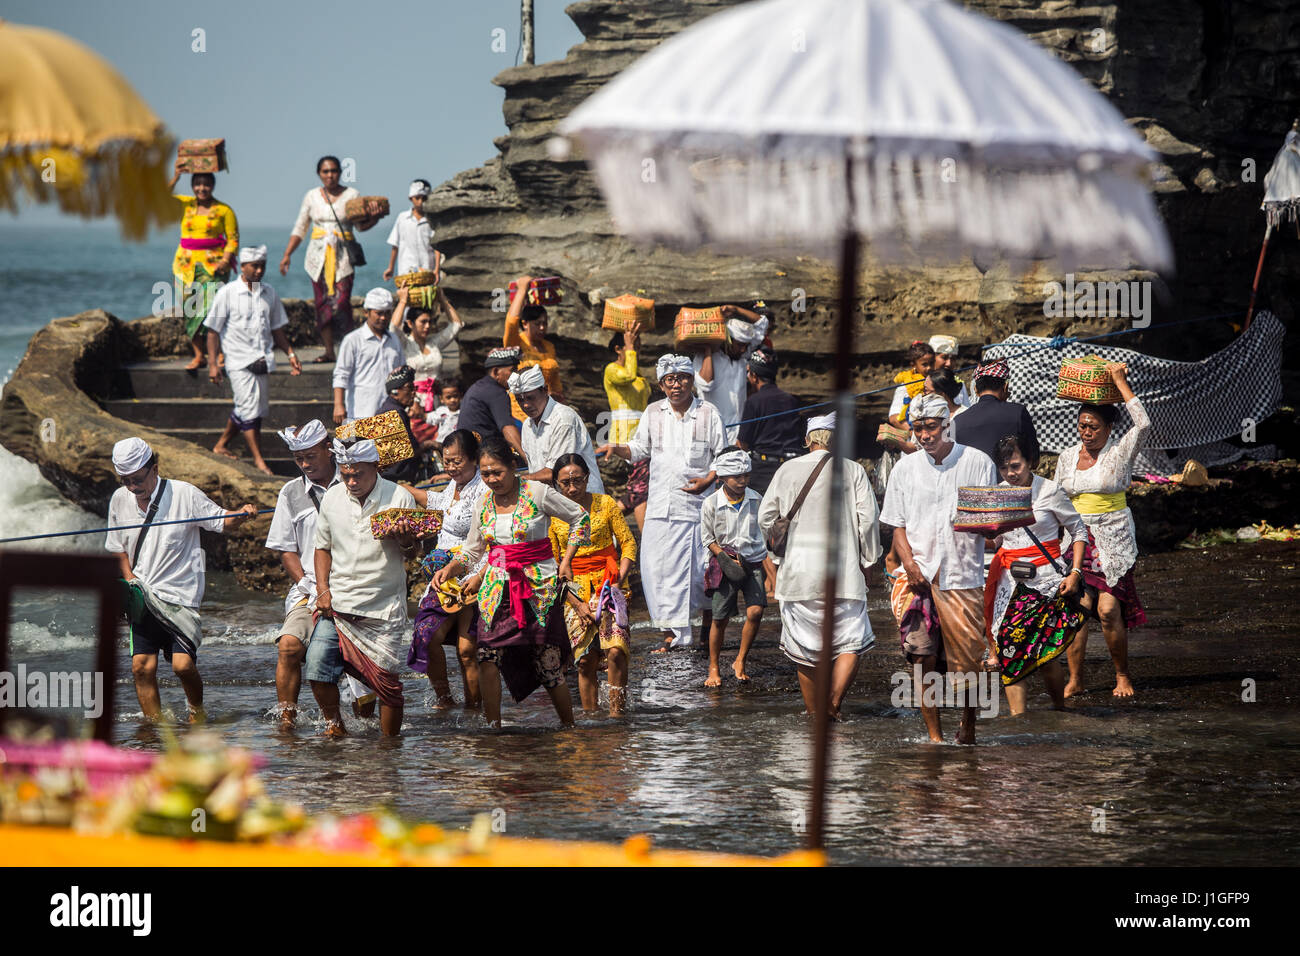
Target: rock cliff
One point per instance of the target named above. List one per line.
(1206, 83)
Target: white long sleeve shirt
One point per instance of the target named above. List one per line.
(364, 363)
(733, 525)
(559, 430)
(801, 573)
(680, 448)
(293, 528)
(922, 498)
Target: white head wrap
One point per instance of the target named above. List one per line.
(746, 333)
(943, 344)
(418, 188)
(530, 379)
(732, 463)
(381, 300)
(130, 455)
(668, 364)
(304, 436)
(821, 422)
(932, 405)
(362, 451)
(252, 254)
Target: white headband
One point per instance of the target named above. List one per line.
(360, 452)
(130, 455)
(305, 436)
(418, 188)
(381, 300)
(529, 380)
(668, 364)
(732, 463)
(932, 405)
(944, 344)
(746, 333)
(820, 423)
(252, 254)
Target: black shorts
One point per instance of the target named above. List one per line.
(152, 637)
(752, 589)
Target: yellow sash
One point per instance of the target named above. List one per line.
(1091, 503)
(330, 257)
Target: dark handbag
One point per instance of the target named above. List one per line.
(258, 368)
(356, 255)
(781, 526)
(1024, 570)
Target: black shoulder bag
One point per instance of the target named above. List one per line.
(148, 520)
(356, 255)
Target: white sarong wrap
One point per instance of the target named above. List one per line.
(183, 621)
(384, 642)
(801, 629)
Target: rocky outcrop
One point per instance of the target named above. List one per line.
(49, 415)
(1207, 85)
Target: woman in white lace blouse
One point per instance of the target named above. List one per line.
(1096, 473)
(324, 213)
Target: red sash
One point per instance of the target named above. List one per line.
(196, 243)
(512, 559)
(1001, 561)
(605, 559)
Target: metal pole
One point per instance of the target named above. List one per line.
(843, 442)
(526, 29)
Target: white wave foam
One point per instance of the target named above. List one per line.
(31, 505)
(28, 637)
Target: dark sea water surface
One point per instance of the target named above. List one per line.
(1200, 769)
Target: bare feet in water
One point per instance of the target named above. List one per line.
(1123, 687)
(714, 679)
(665, 647)
(738, 668)
(335, 729)
(1075, 686)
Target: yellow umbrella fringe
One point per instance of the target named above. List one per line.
(125, 179)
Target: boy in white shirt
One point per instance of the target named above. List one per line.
(729, 529)
(411, 237)
(446, 415)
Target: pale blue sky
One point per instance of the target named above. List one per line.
(401, 86)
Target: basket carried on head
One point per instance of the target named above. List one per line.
(201, 156)
(1087, 380)
(422, 285)
(993, 511)
(543, 291)
(417, 278)
(697, 329)
(625, 311)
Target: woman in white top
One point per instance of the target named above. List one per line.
(522, 637)
(1022, 648)
(422, 346)
(1095, 473)
(435, 626)
(324, 211)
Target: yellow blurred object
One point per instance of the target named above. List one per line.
(74, 132)
(50, 846)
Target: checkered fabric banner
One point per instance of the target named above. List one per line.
(1193, 405)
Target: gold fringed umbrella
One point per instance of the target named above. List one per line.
(73, 131)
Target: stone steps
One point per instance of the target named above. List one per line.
(168, 378)
(212, 413)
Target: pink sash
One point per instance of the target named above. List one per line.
(512, 559)
(194, 243)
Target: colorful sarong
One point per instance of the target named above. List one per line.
(196, 297)
(1035, 629)
(335, 306)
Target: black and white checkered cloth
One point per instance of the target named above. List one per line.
(1193, 405)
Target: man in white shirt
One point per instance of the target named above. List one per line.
(162, 568)
(681, 436)
(366, 357)
(293, 534)
(411, 237)
(551, 429)
(246, 322)
(360, 590)
(937, 562)
(722, 375)
(801, 571)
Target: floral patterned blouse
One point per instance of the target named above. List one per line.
(218, 222)
(531, 521)
(607, 526)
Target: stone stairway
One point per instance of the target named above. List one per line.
(186, 405)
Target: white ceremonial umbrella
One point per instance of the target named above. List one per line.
(1281, 200)
(810, 125)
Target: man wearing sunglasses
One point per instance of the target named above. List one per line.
(162, 569)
